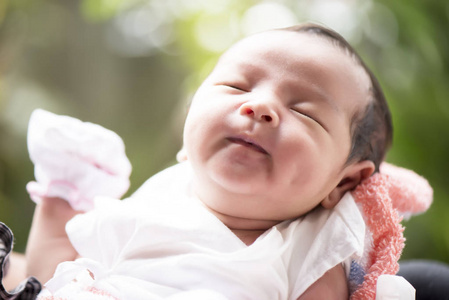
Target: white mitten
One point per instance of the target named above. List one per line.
(75, 160)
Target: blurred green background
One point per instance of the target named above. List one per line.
(132, 66)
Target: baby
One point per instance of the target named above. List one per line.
(287, 123)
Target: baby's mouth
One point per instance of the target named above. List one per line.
(246, 143)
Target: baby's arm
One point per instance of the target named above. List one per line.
(48, 243)
(332, 285)
(74, 162)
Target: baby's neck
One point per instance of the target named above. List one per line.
(247, 230)
(248, 236)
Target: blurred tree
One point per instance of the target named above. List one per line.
(131, 66)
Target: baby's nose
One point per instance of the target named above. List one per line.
(261, 112)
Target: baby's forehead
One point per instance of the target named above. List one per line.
(288, 46)
(273, 39)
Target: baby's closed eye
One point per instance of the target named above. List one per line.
(234, 86)
(310, 115)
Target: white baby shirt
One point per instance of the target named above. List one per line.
(162, 243)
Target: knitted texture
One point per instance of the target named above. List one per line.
(410, 192)
(383, 222)
(383, 199)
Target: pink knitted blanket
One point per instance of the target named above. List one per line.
(384, 199)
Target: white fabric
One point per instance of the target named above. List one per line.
(162, 243)
(75, 160)
(391, 287)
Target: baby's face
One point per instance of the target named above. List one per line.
(268, 132)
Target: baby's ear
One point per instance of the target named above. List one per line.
(353, 174)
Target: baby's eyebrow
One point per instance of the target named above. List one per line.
(314, 92)
(326, 98)
(252, 68)
(242, 69)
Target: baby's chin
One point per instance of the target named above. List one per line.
(240, 185)
(240, 217)
(238, 174)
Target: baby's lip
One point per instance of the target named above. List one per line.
(247, 142)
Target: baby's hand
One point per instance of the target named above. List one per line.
(75, 160)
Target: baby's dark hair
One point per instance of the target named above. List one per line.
(371, 129)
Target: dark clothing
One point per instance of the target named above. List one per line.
(27, 289)
(429, 278)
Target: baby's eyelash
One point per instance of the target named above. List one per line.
(234, 86)
(302, 113)
(308, 116)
